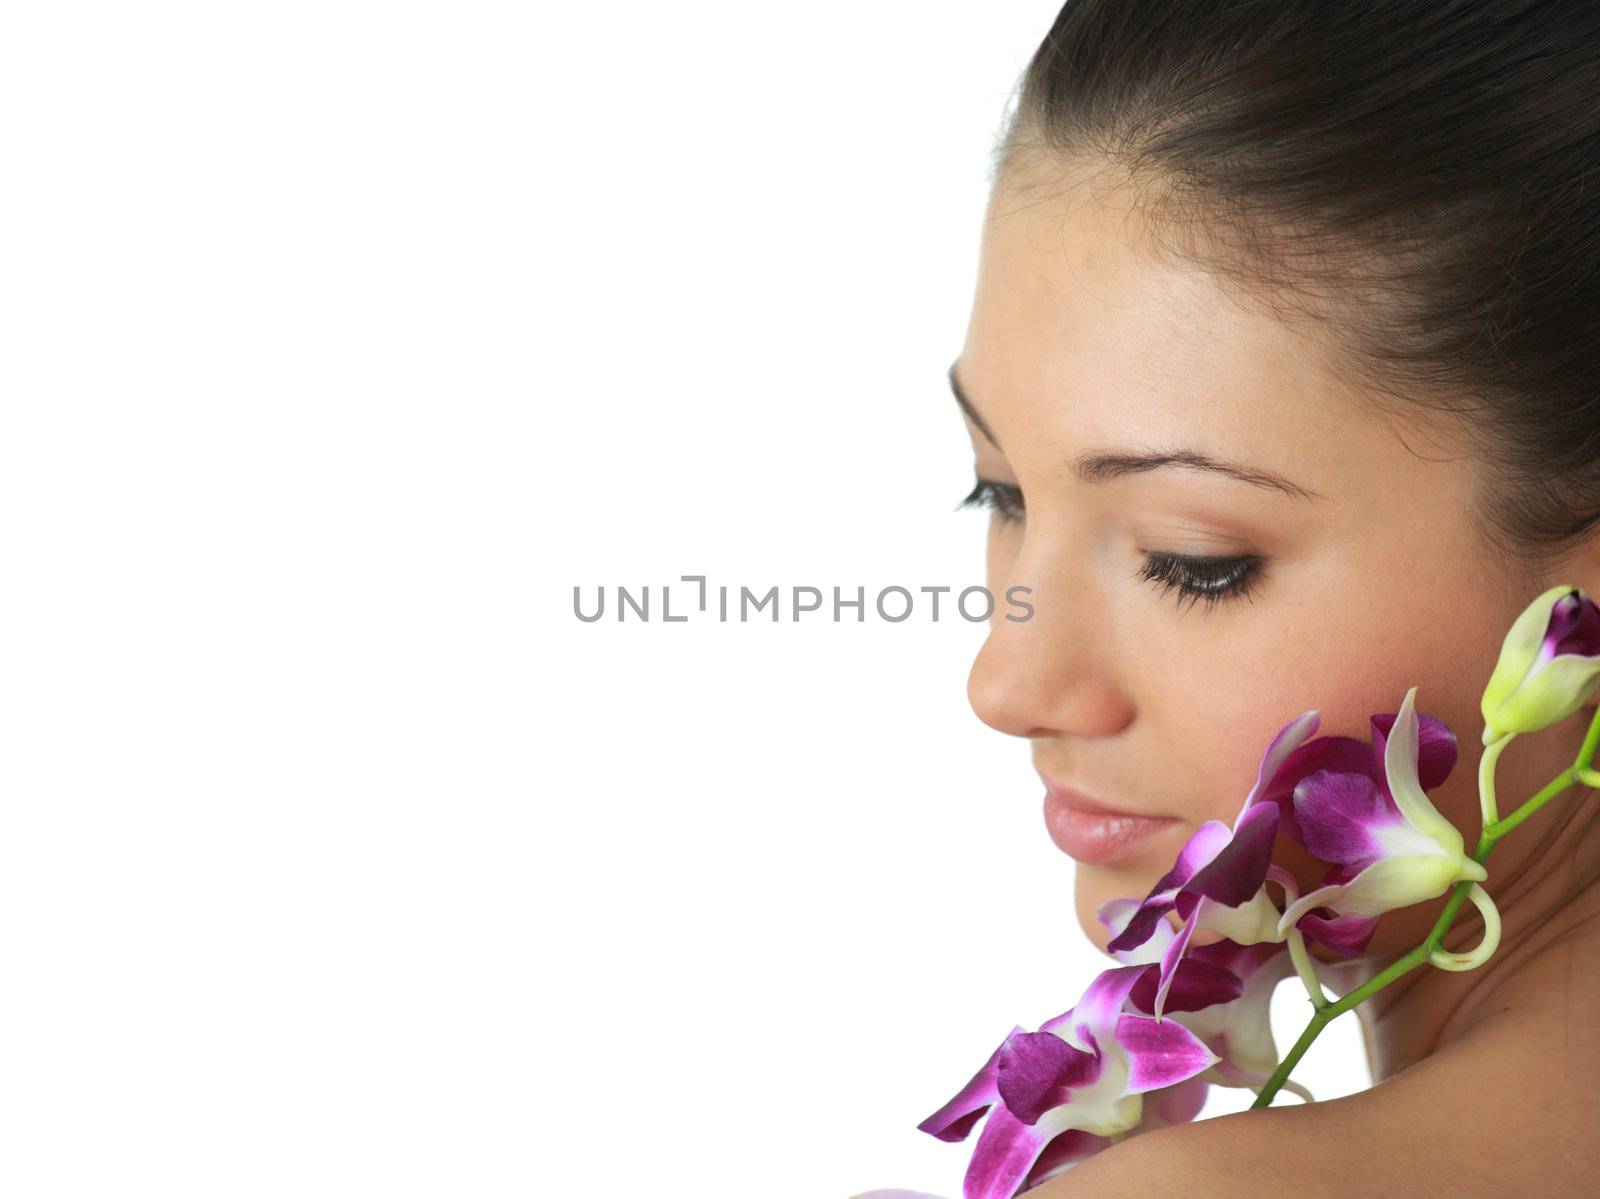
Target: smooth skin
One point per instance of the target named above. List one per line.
(1089, 334)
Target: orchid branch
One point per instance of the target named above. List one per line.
(1579, 771)
(1149, 1036)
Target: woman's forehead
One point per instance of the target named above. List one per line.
(1084, 331)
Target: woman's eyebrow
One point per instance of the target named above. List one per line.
(1099, 466)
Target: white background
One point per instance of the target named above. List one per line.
(341, 341)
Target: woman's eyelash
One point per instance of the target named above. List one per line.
(1005, 499)
(1193, 577)
(1209, 579)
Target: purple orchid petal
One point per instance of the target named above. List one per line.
(956, 1119)
(1436, 748)
(1186, 903)
(1573, 628)
(1235, 873)
(1115, 913)
(1160, 1053)
(1282, 746)
(1320, 753)
(1347, 936)
(1204, 844)
(1174, 955)
(1142, 926)
(1339, 814)
(1242, 961)
(1004, 1156)
(1195, 985)
(1067, 1149)
(1223, 864)
(1095, 1015)
(1037, 1071)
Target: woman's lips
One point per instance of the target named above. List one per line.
(1094, 835)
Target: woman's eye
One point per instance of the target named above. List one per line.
(1004, 499)
(1197, 578)
(1192, 577)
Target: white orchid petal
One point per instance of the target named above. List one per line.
(1400, 770)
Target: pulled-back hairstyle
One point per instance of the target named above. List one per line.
(1420, 176)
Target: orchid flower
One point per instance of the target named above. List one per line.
(1239, 1031)
(1217, 881)
(1391, 846)
(1062, 1093)
(1347, 936)
(1292, 756)
(1105, 1069)
(1549, 665)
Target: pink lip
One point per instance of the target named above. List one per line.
(1093, 833)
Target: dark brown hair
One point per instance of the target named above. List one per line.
(1420, 176)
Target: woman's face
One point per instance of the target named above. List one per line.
(1368, 575)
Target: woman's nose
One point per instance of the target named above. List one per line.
(1052, 675)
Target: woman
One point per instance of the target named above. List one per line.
(1281, 379)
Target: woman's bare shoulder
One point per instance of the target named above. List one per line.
(1296, 1149)
(1500, 1112)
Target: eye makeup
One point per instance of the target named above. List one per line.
(1193, 577)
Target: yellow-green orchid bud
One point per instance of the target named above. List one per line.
(1549, 665)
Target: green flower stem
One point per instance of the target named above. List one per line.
(1591, 743)
(1296, 939)
(1487, 944)
(1486, 765)
(1400, 966)
(1306, 971)
(1579, 771)
(1550, 790)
